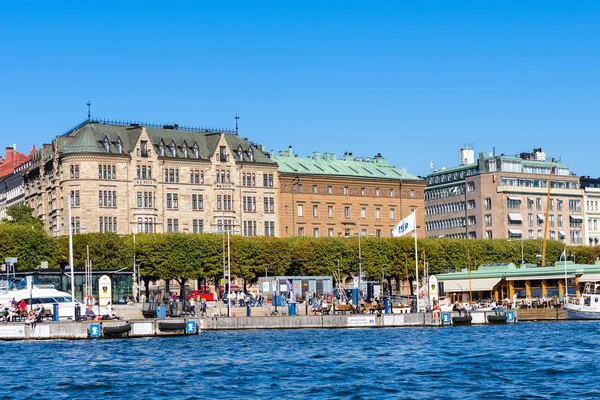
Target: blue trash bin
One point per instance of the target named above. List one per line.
(55, 312)
(161, 312)
(248, 310)
(291, 309)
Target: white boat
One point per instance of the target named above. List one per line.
(45, 295)
(587, 306)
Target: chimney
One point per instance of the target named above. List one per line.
(290, 151)
(10, 154)
(316, 155)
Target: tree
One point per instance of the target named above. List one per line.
(22, 214)
(30, 247)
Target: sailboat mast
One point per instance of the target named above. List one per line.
(546, 218)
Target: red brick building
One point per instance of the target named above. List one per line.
(13, 160)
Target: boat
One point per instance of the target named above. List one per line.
(114, 330)
(587, 306)
(497, 319)
(466, 320)
(46, 295)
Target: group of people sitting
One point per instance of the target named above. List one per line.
(462, 309)
(16, 309)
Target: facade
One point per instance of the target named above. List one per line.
(501, 281)
(591, 198)
(13, 160)
(504, 197)
(12, 190)
(128, 178)
(326, 196)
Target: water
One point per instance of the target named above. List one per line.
(522, 361)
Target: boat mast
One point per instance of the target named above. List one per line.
(546, 218)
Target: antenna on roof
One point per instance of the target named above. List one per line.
(89, 104)
(236, 123)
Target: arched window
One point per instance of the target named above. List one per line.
(250, 154)
(161, 149)
(195, 149)
(239, 152)
(173, 149)
(184, 149)
(119, 145)
(106, 144)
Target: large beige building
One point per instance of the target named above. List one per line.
(504, 197)
(128, 178)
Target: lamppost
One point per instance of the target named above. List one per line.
(71, 258)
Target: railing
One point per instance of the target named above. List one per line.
(149, 125)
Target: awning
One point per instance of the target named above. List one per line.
(576, 217)
(588, 277)
(533, 277)
(517, 198)
(462, 285)
(541, 216)
(515, 217)
(515, 231)
(561, 233)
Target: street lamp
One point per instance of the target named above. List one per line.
(71, 258)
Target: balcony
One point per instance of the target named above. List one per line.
(528, 190)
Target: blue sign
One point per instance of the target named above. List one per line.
(446, 318)
(190, 327)
(95, 330)
(510, 316)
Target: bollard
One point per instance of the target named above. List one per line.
(55, 312)
(248, 311)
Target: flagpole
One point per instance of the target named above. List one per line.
(417, 263)
(565, 264)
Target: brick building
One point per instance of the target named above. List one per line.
(326, 196)
(504, 197)
(127, 178)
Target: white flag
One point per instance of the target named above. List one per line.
(563, 255)
(405, 226)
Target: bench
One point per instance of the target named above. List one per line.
(344, 308)
(324, 311)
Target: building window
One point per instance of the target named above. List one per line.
(315, 211)
(488, 235)
(197, 226)
(346, 191)
(575, 205)
(300, 210)
(470, 186)
(119, 145)
(197, 202)
(329, 189)
(107, 198)
(330, 211)
(378, 233)
(74, 172)
(472, 220)
(75, 225)
(299, 188)
(314, 188)
(487, 203)
(392, 214)
(391, 192)
(376, 191)
(513, 203)
(316, 232)
(346, 212)
(330, 232)
(488, 220)
(377, 213)
(74, 198)
(362, 191)
(412, 193)
(538, 204)
(363, 212)
(106, 144)
(301, 231)
(471, 204)
(559, 205)
(530, 219)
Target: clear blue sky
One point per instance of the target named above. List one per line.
(409, 79)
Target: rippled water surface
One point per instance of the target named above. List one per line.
(523, 361)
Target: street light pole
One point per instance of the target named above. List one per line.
(71, 257)
(228, 275)
(359, 258)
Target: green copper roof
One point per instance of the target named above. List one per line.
(376, 168)
(510, 270)
(90, 137)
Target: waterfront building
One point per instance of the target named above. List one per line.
(591, 198)
(502, 281)
(504, 197)
(128, 177)
(11, 179)
(323, 196)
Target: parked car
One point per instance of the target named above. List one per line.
(202, 294)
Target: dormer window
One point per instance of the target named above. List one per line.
(239, 153)
(184, 149)
(106, 144)
(161, 149)
(250, 154)
(119, 145)
(195, 150)
(173, 149)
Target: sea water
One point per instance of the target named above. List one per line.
(521, 361)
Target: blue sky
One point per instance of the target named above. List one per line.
(410, 79)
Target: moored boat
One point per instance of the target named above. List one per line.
(587, 306)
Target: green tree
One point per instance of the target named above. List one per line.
(22, 214)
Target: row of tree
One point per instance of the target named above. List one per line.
(183, 256)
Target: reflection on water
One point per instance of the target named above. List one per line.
(526, 360)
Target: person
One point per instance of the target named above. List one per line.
(437, 311)
(89, 314)
(22, 305)
(315, 307)
(192, 306)
(14, 302)
(203, 307)
(129, 301)
(109, 309)
(514, 301)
